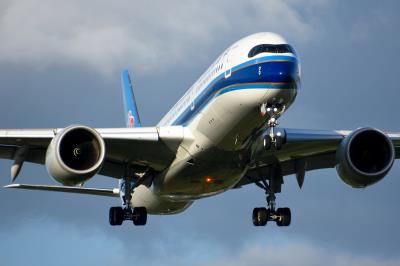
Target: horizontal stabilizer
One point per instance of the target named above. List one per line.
(81, 190)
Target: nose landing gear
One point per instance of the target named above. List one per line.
(272, 138)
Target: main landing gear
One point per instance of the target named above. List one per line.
(282, 216)
(273, 138)
(118, 214)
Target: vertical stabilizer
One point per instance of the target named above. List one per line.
(131, 112)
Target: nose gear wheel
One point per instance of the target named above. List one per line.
(273, 138)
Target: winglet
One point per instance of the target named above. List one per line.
(131, 113)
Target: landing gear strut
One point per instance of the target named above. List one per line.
(273, 138)
(118, 214)
(282, 216)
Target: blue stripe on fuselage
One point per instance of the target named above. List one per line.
(266, 72)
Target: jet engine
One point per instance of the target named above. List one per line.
(75, 155)
(364, 157)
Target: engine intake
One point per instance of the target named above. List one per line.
(364, 157)
(75, 155)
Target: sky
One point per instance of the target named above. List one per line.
(60, 64)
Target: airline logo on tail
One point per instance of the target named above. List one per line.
(131, 120)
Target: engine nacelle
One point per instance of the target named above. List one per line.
(364, 157)
(75, 155)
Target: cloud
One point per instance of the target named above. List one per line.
(63, 243)
(361, 28)
(299, 254)
(49, 243)
(150, 37)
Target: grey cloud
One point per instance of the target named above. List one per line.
(87, 246)
(299, 254)
(45, 249)
(148, 36)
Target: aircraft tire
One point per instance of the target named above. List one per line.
(285, 216)
(278, 143)
(116, 216)
(139, 216)
(255, 214)
(260, 216)
(267, 142)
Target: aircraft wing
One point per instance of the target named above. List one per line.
(304, 150)
(153, 147)
(68, 189)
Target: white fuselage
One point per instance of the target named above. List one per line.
(222, 110)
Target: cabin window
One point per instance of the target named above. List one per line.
(271, 48)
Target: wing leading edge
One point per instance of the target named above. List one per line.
(68, 189)
(153, 147)
(305, 150)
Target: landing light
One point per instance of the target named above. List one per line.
(209, 179)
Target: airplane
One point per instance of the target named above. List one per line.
(222, 134)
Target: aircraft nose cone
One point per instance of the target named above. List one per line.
(281, 71)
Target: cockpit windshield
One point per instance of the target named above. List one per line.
(271, 48)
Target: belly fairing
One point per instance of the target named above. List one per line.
(205, 174)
